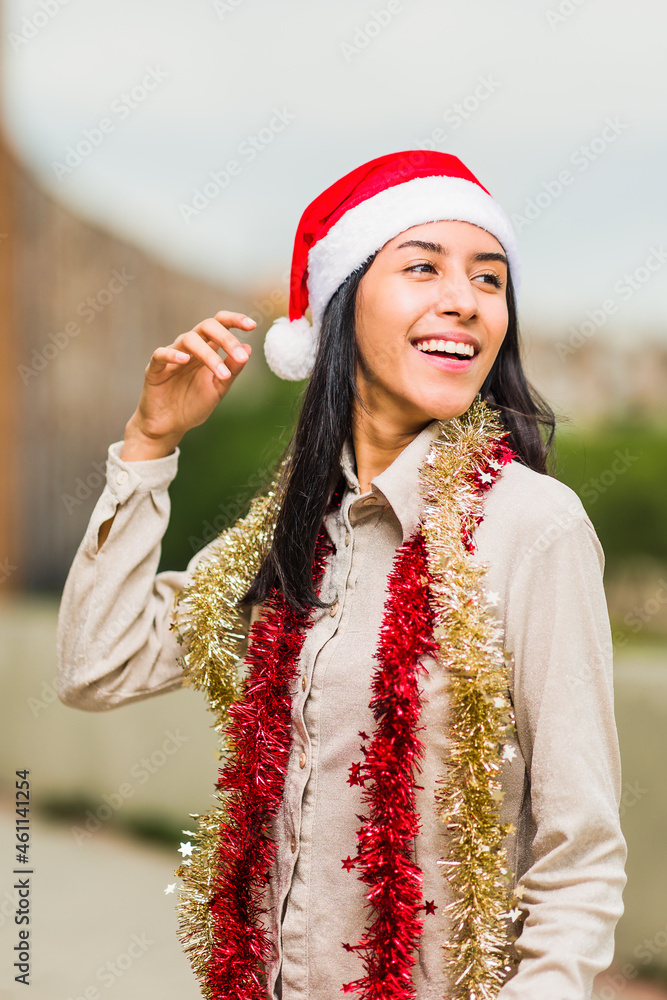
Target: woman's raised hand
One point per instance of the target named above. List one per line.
(184, 383)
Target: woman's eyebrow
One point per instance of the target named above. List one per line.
(438, 248)
(423, 245)
(491, 256)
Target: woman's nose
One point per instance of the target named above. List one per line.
(456, 296)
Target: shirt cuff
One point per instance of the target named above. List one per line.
(124, 478)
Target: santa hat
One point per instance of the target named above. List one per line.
(355, 217)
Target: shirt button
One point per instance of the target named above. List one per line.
(293, 844)
(122, 477)
(334, 609)
(302, 760)
(303, 683)
(347, 537)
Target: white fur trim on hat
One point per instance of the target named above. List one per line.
(369, 225)
(290, 348)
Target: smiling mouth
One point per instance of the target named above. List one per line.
(446, 349)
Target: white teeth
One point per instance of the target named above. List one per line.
(446, 347)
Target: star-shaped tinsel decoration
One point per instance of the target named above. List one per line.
(185, 849)
(509, 753)
(430, 907)
(349, 863)
(486, 478)
(355, 775)
(170, 888)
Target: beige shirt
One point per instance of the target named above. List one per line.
(562, 786)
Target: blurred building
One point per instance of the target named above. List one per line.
(598, 380)
(80, 314)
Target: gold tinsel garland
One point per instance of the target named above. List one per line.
(470, 648)
(469, 636)
(207, 621)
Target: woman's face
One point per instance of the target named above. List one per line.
(431, 314)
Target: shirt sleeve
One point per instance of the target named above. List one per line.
(571, 894)
(114, 640)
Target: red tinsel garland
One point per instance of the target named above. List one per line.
(483, 480)
(259, 738)
(386, 839)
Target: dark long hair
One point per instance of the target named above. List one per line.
(312, 470)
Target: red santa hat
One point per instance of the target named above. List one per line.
(355, 217)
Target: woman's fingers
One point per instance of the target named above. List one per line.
(239, 320)
(163, 356)
(194, 344)
(237, 366)
(202, 342)
(216, 331)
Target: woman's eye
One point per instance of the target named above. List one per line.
(425, 264)
(490, 279)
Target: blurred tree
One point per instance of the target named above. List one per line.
(619, 472)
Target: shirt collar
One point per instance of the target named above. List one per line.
(399, 482)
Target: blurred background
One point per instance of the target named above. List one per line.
(154, 162)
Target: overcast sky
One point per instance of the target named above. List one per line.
(298, 93)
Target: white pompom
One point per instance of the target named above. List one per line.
(290, 348)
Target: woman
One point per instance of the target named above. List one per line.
(421, 781)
